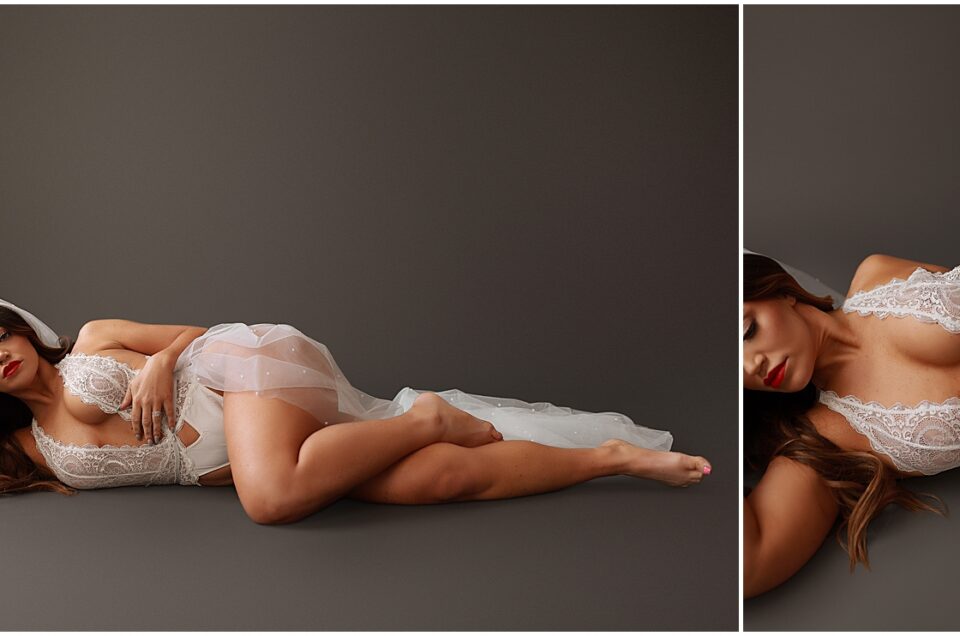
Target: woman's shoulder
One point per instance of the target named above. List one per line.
(879, 269)
(89, 344)
(827, 424)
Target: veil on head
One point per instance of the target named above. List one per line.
(47, 335)
(809, 282)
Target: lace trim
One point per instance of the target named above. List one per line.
(103, 381)
(930, 297)
(122, 447)
(874, 406)
(94, 379)
(89, 466)
(924, 438)
(188, 472)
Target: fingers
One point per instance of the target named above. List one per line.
(156, 416)
(136, 422)
(148, 422)
(171, 414)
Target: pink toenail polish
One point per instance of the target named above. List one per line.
(706, 470)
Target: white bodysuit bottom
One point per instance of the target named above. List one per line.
(203, 410)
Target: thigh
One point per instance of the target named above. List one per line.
(263, 436)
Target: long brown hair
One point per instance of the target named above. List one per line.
(18, 473)
(776, 424)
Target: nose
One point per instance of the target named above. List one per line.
(752, 362)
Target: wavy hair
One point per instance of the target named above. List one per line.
(776, 424)
(18, 473)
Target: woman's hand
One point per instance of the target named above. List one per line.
(150, 392)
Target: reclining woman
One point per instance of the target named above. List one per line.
(841, 403)
(265, 408)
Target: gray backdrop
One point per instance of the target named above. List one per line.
(537, 202)
(851, 147)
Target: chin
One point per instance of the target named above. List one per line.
(798, 382)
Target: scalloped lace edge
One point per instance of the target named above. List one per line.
(922, 405)
(919, 272)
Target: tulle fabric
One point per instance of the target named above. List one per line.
(280, 361)
(808, 281)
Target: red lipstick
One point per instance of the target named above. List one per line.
(10, 369)
(775, 377)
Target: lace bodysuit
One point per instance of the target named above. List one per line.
(924, 438)
(279, 361)
(103, 381)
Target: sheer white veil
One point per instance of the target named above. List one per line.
(809, 282)
(47, 335)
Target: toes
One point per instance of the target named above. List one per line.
(696, 476)
(703, 466)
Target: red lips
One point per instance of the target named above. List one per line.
(10, 369)
(775, 377)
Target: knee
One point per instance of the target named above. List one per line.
(272, 507)
(262, 508)
(278, 512)
(263, 516)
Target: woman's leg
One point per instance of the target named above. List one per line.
(445, 472)
(287, 465)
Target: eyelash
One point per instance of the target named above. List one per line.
(752, 329)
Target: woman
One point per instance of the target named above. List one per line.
(266, 409)
(840, 403)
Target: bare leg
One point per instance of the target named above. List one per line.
(286, 464)
(444, 472)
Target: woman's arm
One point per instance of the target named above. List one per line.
(165, 341)
(878, 269)
(151, 391)
(785, 520)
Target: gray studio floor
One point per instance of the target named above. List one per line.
(597, 556)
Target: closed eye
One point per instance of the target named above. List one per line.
(751, 330)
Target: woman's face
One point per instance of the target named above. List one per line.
(779, 350)
(15, 348)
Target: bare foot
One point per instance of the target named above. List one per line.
(457, 426)
(673, 469)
